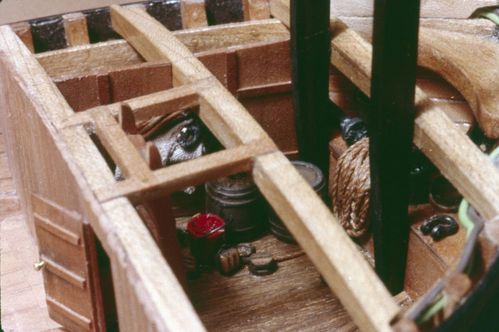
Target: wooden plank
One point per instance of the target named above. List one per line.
(193, 14)
(114, 54)
(84, 59)
(220, 111)
(482, 28)
(121, 149)
(475, 77)
(232, 34)
(337, 259)
(256, 9)
(314, 308)
(362, 302)
(149, 287)
(429, 8)
(71, 159)
(459, 160)
(23, 31)
(163, 102)
(72, 90)
(61, 309)
(75, 26)
(138, 80)
(193, 172)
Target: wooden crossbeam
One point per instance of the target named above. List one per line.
(455, 155)
(357, 286)
(163, 102)
(121, 149)
(189, 173)
(216, 102)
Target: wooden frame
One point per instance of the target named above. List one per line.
(149, 296)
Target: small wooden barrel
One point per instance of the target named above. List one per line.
(237, 200)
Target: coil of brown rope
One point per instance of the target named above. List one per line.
(350, 189)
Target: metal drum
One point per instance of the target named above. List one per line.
(313, 175)
(237, 200)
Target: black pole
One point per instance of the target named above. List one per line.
(391, 124)
(311, 48)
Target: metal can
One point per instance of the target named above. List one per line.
(237, 200)
(314, 176)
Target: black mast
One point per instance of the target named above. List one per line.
(391, 124)
(311, 46)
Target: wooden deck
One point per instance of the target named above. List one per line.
(23, 306)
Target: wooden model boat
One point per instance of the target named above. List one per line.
(79, 101)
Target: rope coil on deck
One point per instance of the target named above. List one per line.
(351, 186)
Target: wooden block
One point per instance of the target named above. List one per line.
(23, 31)
(99, 25)
(430, 8)
(256, 9)
(474, 77)
(118, 53)
(261, 65)
(275, 114)
(164, 102)
(482, 28)
(139, 80)
(224, 11)
(75, 27)
(193, 14)
(72, 90)
(167, 12)
(85, 59)
(234, 34)
(48, 34)
(125, 155)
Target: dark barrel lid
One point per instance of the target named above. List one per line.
(312, 174)
(238, 185)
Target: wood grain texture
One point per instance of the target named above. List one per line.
(454, 57)
(217, 106)
(84, 59)
(429, 8)
(482, 28)
(326, 244)
(256, 9)
(75, 27)
(76, 164)
(292, 299)
(371, 306)
(193, 14)
(459, 160)
(193, 172)
(23, 31)
(79, 60)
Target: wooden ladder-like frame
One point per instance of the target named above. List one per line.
(148, 295)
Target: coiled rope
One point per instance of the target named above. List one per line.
(351, 186)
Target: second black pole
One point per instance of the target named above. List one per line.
(391, 124)
(310, 45)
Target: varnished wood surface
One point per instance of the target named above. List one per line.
(22, 292)
(293, 298)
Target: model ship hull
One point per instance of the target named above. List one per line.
(103, 266)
